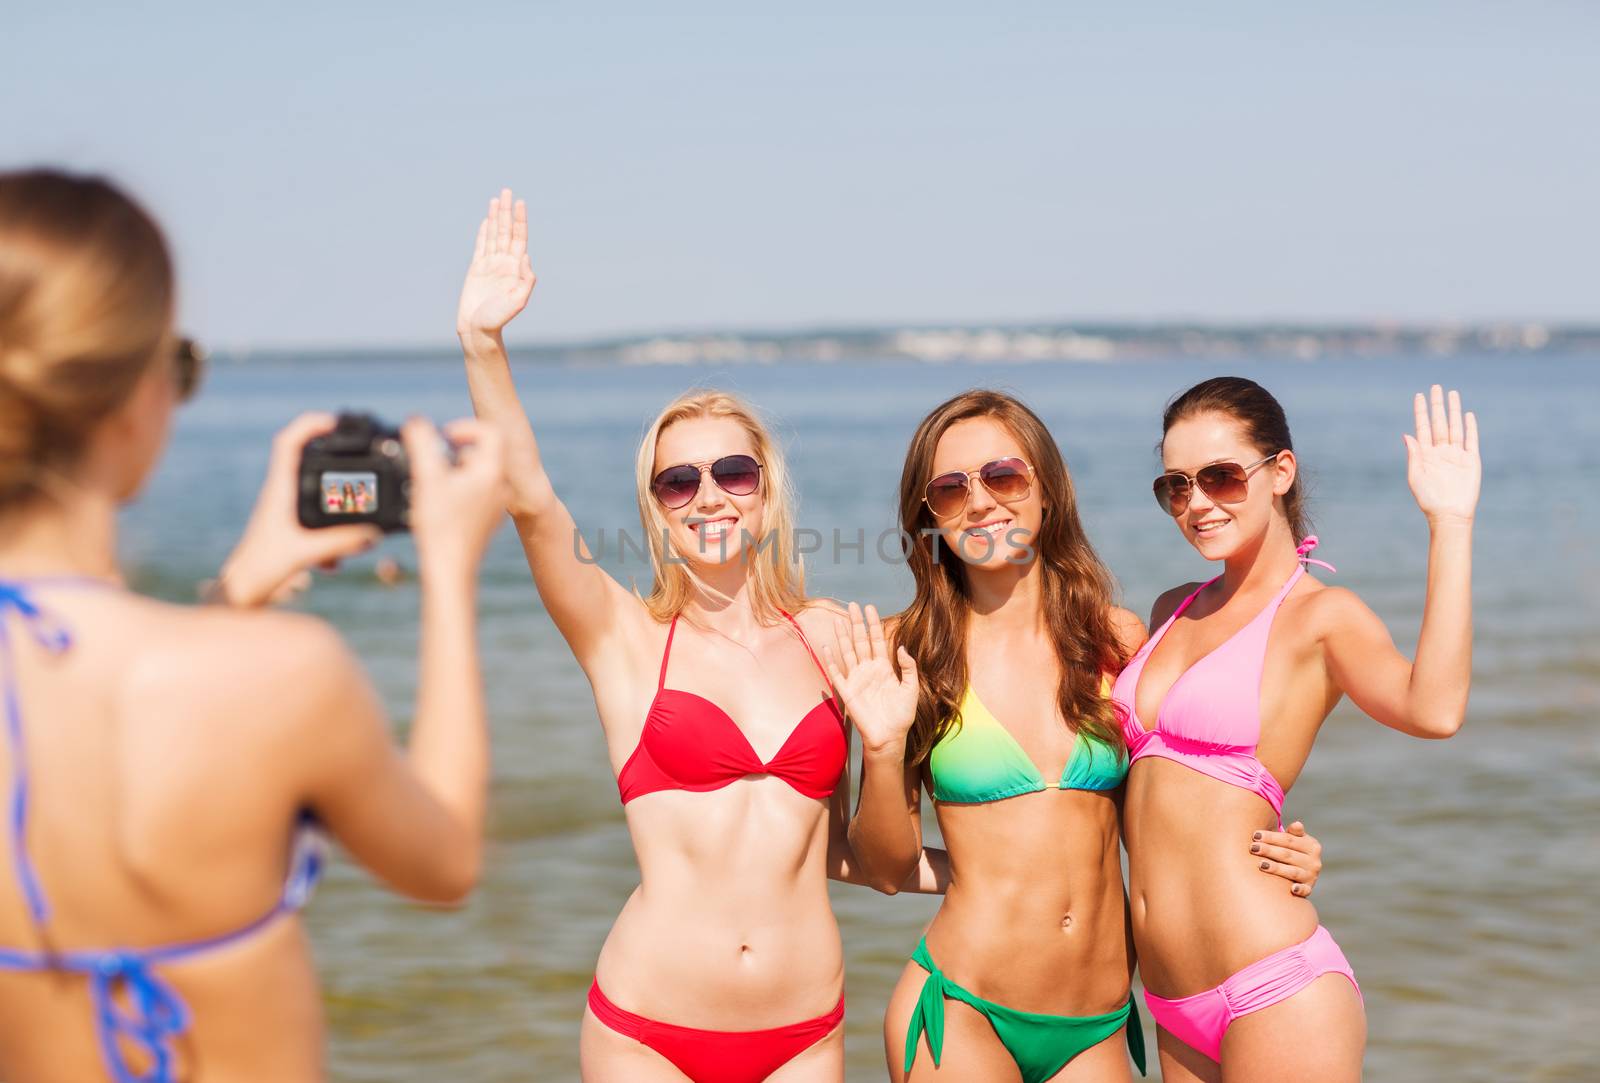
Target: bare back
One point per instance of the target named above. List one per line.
(163, 757)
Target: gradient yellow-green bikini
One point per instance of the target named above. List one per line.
(976, 762)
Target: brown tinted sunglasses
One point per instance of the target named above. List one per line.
(188, 366)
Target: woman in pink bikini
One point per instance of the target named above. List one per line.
(1221, 706)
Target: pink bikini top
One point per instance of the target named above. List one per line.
(1210, 720)
(689, 743)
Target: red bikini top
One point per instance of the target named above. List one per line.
(689, 743)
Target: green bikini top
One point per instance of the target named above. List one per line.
(978, 761)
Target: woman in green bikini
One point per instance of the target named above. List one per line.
(1024, 972)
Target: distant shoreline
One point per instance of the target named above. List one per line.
(1083, 342)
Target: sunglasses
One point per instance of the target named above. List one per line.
(736, 475)
(1006, 479)
(1225, 483)
(188, 365)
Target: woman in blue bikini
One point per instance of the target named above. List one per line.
(157, 762)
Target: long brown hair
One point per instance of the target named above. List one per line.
(1262, 419)
(1075, 587)
(86, 306)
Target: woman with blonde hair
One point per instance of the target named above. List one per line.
(156, 759)
(725, 965)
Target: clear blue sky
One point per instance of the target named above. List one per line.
(322, 172)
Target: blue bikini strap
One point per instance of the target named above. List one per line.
(50, 634)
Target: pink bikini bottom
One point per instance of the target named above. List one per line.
(1202, 1019)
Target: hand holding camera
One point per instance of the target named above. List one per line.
(334, 486)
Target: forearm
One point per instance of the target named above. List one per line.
(449, 743)
(1442, 672)
(495, 400)
(883, 832)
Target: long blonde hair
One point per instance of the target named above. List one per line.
(86, 307)
(776, 570)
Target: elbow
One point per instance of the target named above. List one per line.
(453, 880)
(1438, 727)
(885, 885)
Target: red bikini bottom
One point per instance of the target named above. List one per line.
(717, 1056)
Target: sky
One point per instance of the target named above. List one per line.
(321, 172)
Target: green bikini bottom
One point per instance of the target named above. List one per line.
(1040, 1044)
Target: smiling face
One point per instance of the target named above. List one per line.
(715, 527)
(987, 531)
(1217, 529)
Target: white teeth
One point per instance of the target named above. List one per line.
(714, 529)
(1207, 528)
(994, 529)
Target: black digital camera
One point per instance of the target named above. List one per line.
(358, 473)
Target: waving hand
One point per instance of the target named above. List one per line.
(1442, 462)
(501, 278)
(881, 704)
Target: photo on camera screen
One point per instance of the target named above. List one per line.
(349, 493)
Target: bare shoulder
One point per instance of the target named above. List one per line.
(1325, 610)
(1168, 603)
(819, 617)
(1129, 629)
(242, 666)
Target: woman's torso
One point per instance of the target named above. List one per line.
(158, 814)
(1201, 908)
(1034, 917)
(730, 927)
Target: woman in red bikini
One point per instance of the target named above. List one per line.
(1220, 709)
(725, 965)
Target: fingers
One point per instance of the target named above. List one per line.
(859, 641)
(841, 649)
(1288, 840)
(1471, 440)
(503, 226)
(329, 545)
(492, 218)
(482, 242)
(1287, 871)
(519, 229)
(875, 640)
(830, 666)
(291, 441)
(423, 450)
(1419, 406)
(1458, 433)
(908, 666)
(1440, 425)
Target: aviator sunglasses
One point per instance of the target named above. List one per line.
(1006, 479)
(736, 475)
(1225, 483)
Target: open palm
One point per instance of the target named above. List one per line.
(1442, 464)
(501, 278)
(881, 704)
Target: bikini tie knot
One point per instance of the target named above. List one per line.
(154, 1016)
(928, 1016)
(1303, 551)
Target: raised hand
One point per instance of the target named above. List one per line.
(455, 511)
(1442, 464)
(881, 705)
(500, 278)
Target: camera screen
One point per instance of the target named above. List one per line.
(345, 493)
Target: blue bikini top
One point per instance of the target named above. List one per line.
(977, 761)
(155, 1014)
